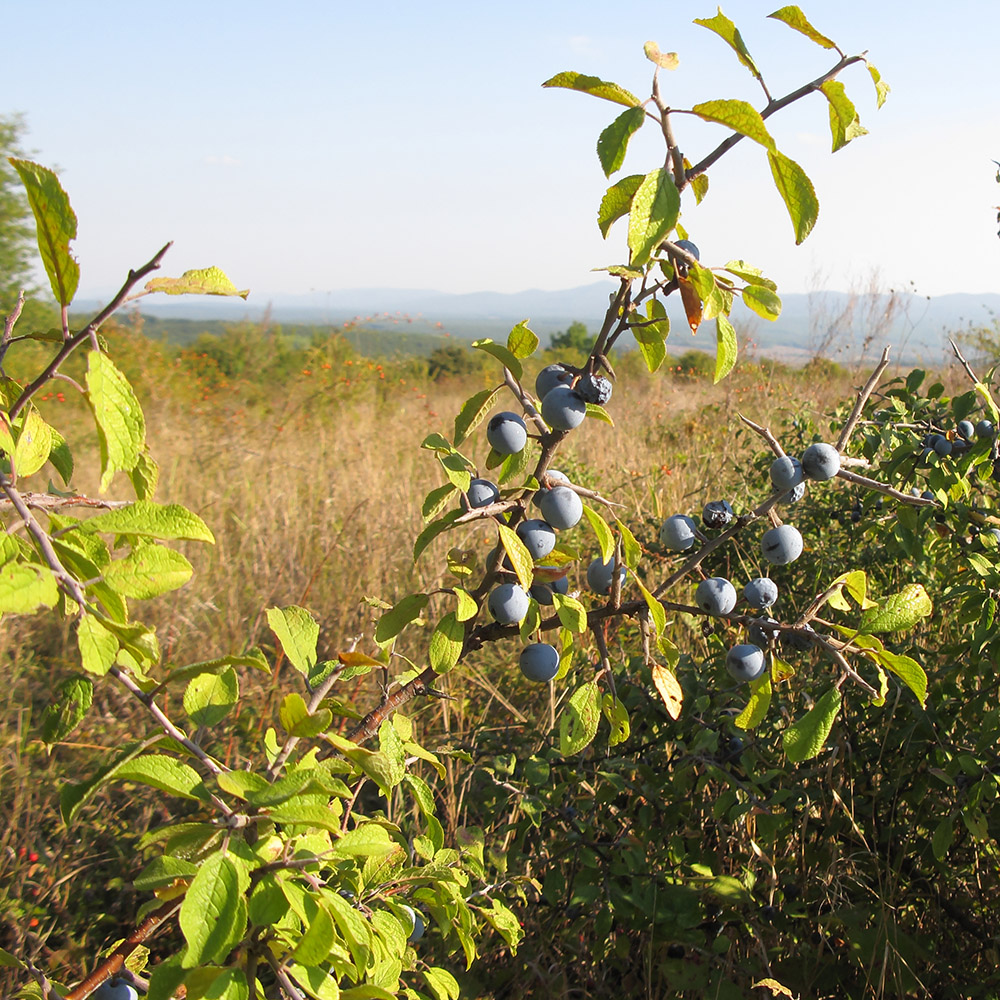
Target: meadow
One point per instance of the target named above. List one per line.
(305, 461)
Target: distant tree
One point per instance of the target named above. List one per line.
(453, 361)
(17, 231)
(575, 338)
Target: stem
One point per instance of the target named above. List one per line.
(859, 404)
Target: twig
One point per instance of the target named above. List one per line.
(766, 434)
(8, 327)
(772, 108)
(871, 484)
(114, 962)
(167, 726)
(965, 364)
(88, 332)
(49, 992)
(859, 404)
(49, 501)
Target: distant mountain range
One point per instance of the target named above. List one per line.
(915, 326)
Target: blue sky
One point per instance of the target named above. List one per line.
(318, 146)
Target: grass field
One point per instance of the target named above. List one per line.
(311, 478)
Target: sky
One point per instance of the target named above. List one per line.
(318, 146)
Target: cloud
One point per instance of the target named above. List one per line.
(222, 161)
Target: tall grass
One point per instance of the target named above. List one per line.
(311, 479)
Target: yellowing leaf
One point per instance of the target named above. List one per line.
(201, 281)
(665, 60)
(669, 690)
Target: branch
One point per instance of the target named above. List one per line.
(90, 330)
(116, 960)
(859, 404)
(49, 501)
(772, 108)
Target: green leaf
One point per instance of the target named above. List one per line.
(434, 529)
(317, 939)
(762, 301)
(571, 612)
(210, 697)
(437, 500)
(605, 539)
(355, 930)
(597, 412)
(501, 353)
(399, 616)
(34, 442)
(441, 983)
(317, 982)
(167, 522)
(760, 700)
(805, 737)
(881, 87)
(473, 412)
(121, 427)
(446, 643)
(298, 632)
(617, 201)
(725, 348)
(367, 840)
(514, 466)
(213, 982)
(148, 571)
(456, 469)
(897, 613)
(162, 871)
(61, 457)
(7, 960)
(165, 773)
(241, 783)
(71, 702)
(296, 719)
(595, 86)
(794, 18)
(651, 336)
(213, 915)
(55, 223)
(656, 610)
(522, 342)
(531, 621)
(631, 549)
(467, 606)
(144, 476)
(98, 647)
(796, 191)
(907, 670)
(200, 281)
(617, 715)
(24, 589)
(612, 144)
(728, 31)
(654, 212)
(943, 837)
(520, 557)
(845, 124)
(579, 719)
(751, 275)
(740, 116)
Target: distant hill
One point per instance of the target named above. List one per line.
(419, 319)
